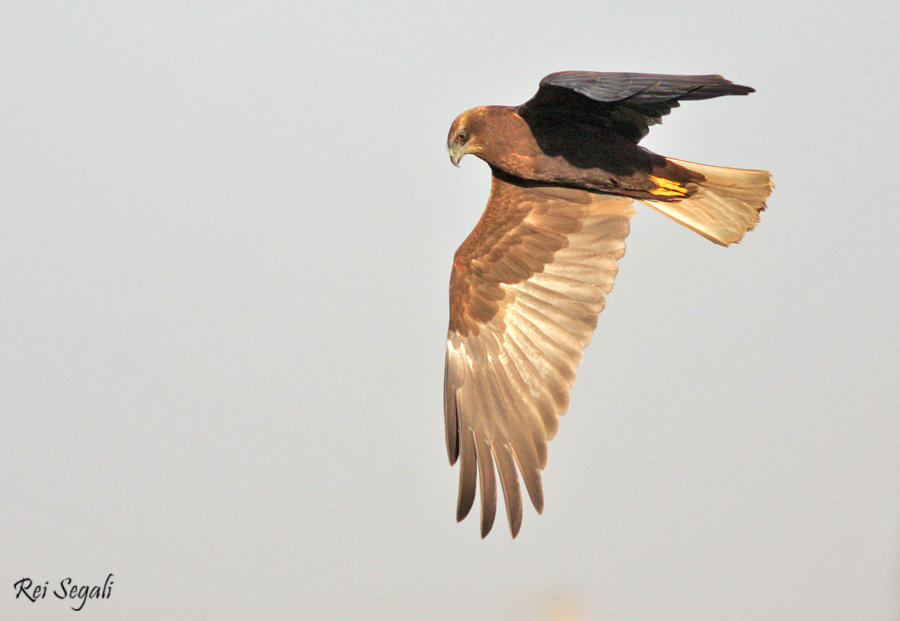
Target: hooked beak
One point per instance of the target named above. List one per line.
(456, 154)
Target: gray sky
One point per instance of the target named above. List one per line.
(226, 237)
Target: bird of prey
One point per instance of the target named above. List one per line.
(529, 281)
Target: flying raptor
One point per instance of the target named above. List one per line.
(529, 281)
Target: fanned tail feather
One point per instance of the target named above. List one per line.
(726, 204)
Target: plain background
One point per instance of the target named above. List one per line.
(225, 241)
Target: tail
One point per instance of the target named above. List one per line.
(726, 204)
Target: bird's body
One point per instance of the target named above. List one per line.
(529, 281)
(570, 152)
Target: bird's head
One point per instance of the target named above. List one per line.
(466, 135)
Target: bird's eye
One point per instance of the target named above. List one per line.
(461, 136)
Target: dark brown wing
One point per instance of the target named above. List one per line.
(627, 103)
(525, 292)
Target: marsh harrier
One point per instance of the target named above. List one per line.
(529, 281)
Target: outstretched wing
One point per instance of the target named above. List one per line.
(525, 291)
(627, 103)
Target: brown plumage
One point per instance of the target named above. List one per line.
(529, 281)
